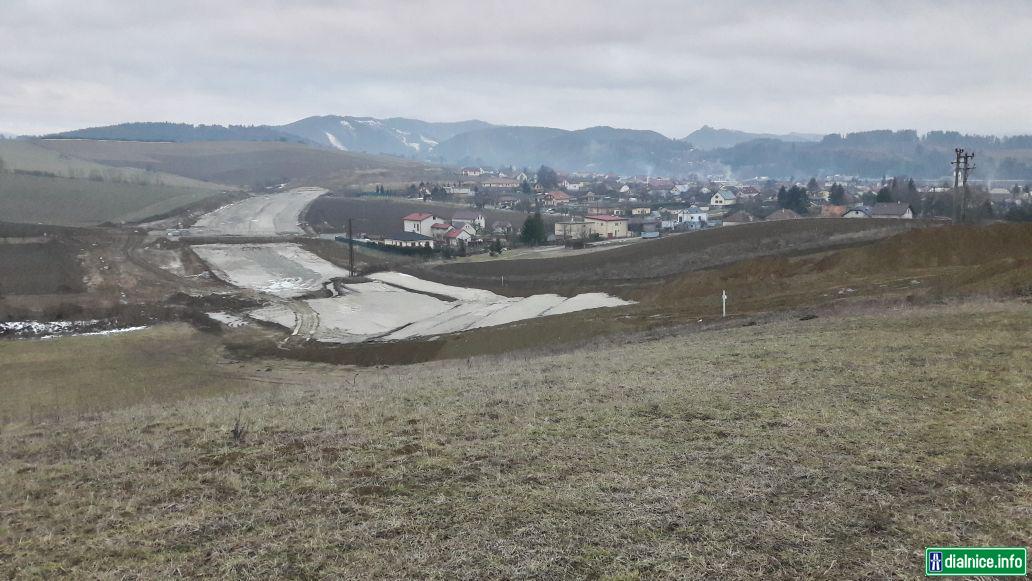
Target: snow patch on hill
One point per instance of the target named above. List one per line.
(334, 141)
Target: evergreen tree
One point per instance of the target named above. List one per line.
(812, 186)
(547, 177)
(533, 232)
(838, 194)
(884, 195)
(794, 199)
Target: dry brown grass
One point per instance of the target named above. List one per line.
(800, 449)
(45, 380)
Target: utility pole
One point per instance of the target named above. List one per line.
(723, 303)
(961, 168)
(351, 250)
(956, 184)
(963, 182)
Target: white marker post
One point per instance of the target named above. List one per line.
(723, 302)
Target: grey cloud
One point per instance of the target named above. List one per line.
(670, 66)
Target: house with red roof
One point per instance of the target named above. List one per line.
(439, 230)
(608, 226)
(459, 235)
(553, 199)
(420, 223)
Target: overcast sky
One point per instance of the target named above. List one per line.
(811, 66)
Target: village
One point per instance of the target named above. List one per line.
(581, 208)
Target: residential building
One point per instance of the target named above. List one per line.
(468, 217)
(499, 184)
(723, 198)
(553, 199)
(892, 210)
(608, 226)
(420, 223)
(573, 230)
(857, 212)
(439, 230)
(501, 228)
(459, 235)
(408, 240)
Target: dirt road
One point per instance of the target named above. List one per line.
(265, 215)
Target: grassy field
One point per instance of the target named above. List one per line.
(832, 447)
(254, 164)
(44, 380)
(81, 202)
(31, 156)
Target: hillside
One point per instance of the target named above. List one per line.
(84, 202)
(769, 450)
(40, 185)
(874, 154)
(254, 164)
(707, 137)
(410, 138)
(176, 132)
(34, 157)
(868, 154)
(602, 149)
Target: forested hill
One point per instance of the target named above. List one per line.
(881, 153)
(178, 132)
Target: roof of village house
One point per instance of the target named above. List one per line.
(889, 209)
(455, 233)
(466, 215)
(783, 214)
(418, 216)
(861, 209)
(606, 218)
(726, 194)
(440, 226)
(501, 224)
(742, 216)
(559, 195)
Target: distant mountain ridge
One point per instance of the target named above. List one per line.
(706, 151)
(176, 132)
(393, 136)
(599, 149)
(707, 137)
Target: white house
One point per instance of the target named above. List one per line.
(420, 223)
(459, 234)
(686, 219)
(476, 219)
(408, 240)
(723, 198)
(472, 171)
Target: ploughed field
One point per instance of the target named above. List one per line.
(383, 215)
(678, 253)
(39, 268)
